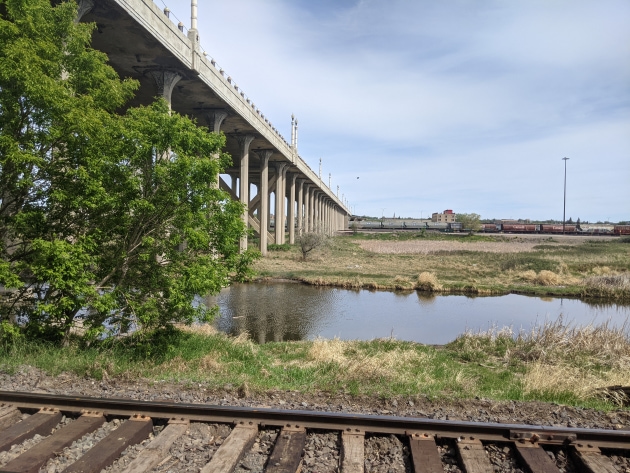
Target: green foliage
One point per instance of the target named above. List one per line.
(9, 333)
(105, 219)
(471, 222)
(282, 247)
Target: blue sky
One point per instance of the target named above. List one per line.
(417, 106)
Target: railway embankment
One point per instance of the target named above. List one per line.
(553, 363)
(558, 265)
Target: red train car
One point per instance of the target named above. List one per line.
(621, 229)
(519, 228)
(557, 228)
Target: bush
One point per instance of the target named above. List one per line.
(428, 282)
(9, 333)
(547, 278)
(282, 247)
(308, 241)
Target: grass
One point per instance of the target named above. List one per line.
(471, 264)
(553, 363)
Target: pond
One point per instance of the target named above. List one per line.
(280, 311)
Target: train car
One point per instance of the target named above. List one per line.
(441, 226)
(595, 229)
(520, 228)
(545, 228)
(490, 227)
(369, 224)
(621, 229)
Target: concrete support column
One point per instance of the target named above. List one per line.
(311, 210)
(300, 205)
(318, 213)
(244, 141)
(307, 210)
(84, 7)
(269, 209)
(165, 81)
(279, 225)
(284, 202)
(331, 211)
(263, 215)
(233, 183)
(316, 226)
(215, 119)
(291, 209)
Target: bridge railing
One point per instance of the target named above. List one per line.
(157, 22)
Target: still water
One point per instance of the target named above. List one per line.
(290, 311)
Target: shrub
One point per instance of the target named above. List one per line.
(428, 282)
(547, 278)
(619, 281)
(282, 247)
(308, 241)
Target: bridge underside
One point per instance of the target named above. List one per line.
(142, 43)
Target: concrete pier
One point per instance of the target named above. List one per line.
(142, 42)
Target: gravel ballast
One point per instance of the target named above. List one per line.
(321, 454)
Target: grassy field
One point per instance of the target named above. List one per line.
(536, 264)
(553, 363)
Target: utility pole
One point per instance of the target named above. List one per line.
(564, 211)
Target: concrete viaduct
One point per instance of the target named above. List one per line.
(143, 43)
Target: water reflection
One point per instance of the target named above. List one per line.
(292, 311)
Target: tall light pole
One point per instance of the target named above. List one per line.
(564, 211)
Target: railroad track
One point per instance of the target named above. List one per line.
(39, 431)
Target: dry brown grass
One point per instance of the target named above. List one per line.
(563, 377)
(209, 364)
(355, 364)
(559, 358)
(411, 247)
(557, 342)
(582, 360)
(201, 329)
(547, 278)
(403, 283)
(616, 282)
(460, 265)
(600, 270)
(428, 282)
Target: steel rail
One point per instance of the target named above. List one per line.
(487, 431)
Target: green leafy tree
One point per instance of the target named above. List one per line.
(106, 219)
(470, 222)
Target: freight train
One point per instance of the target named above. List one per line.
(410, 224)
(554, 228)
(404, 224)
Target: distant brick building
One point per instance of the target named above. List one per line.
(448, 216)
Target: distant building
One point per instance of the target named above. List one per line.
(448, 216)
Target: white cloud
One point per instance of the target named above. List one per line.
(442, 104)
